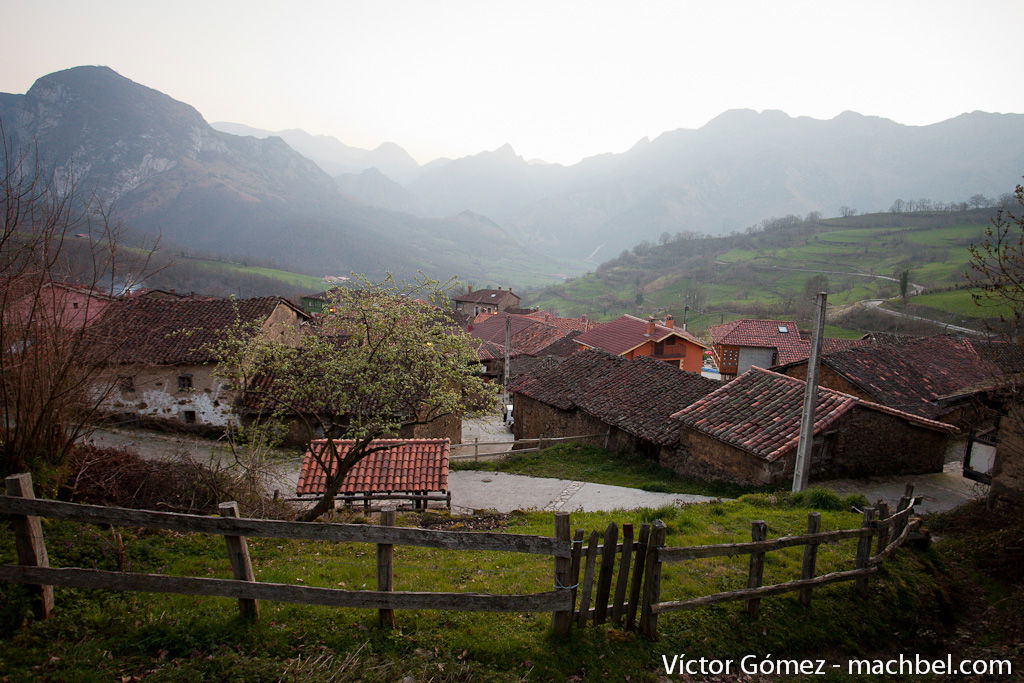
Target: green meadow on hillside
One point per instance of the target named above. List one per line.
(772, 272)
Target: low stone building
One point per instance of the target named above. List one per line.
(475, 302)
(943, 378)
(161, 367)
(625, 403)
(747, 432)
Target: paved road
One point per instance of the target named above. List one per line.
(877, 305)
(936, 492)
(476, 490)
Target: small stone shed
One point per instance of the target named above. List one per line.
(747, 432)
(627, 402)
(944, 378)
(405, 469)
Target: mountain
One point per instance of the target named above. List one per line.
(333, 155)
(165, 170)
(738, 169)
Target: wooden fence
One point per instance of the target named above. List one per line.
(621, 579)
(542, 443)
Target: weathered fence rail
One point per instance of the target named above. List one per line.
(617, 580)
(542, 443)
(34, 566)
(896, 527)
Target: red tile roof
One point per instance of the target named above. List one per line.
(488, 296)
(635, 395)
(767, 334)
(158, 331)
(408, 466)
(760, 411)
(912, 374)
(527, 337)
(627, 332)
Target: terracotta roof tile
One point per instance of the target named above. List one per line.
(527, 336)
(488, 296)
(628, 332)
(635, 395)
(913, 373)
(789, 345)
(760, 411)
(158, 331)
(408, 466)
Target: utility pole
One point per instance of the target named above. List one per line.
(505, 371)
(802, 468)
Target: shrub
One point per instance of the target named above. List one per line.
(121, 478)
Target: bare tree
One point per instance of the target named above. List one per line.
(997, 264)
(61, 262)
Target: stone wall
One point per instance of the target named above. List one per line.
(828, 378)
(1007, 490)
(862, 443)
(534, 420)
(155, 393)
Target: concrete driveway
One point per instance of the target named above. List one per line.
(936, 492)
(476, 490)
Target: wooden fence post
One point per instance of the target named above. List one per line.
(638, 576)
(883, 530)
(28, 538)
(385, 576)
(864, 549)
(622, 581)
(561, 620)
(758, 532)
(604, 579)
(652, 582)
(241, 563)
(810, 557)
(588, 579)
(906, 501)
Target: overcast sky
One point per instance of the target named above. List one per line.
(559, 80)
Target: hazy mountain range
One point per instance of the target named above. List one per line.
(165, 170)
(740, 168)
(316, 204)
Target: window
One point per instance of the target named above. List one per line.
(659, 348)
(184, 382)
(783, 329)
(189, 416)
(126, 383)
(670, 341)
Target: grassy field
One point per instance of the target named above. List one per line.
(960, 302)
(103, 636)
(764, 274)
(587, 463)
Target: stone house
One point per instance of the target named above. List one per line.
(631, 337)
(528, 337)
(943, 378)
(160, 367)
(747, 432)
(625, 402)
(485, 300)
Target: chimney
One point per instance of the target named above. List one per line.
(650, 326)
(669, 322)
(469, 289)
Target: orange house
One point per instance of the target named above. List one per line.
(630, 337)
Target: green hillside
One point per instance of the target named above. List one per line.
(776, 270)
